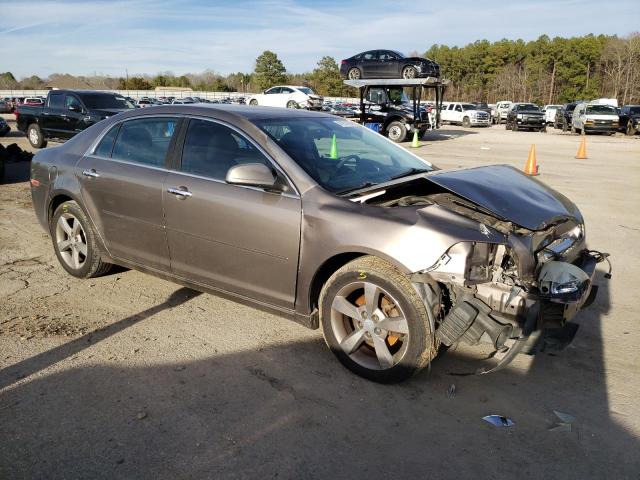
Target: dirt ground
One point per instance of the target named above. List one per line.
(129, 376)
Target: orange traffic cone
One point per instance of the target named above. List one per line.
(531, 167)
(582, 149)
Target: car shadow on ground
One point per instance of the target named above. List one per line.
(445, 133)
(290, 411)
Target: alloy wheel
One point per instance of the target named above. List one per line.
(33, 136)
(71, 241)
(369, 325)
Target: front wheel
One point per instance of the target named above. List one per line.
(292, 104)
(75, 243)
(253, 103)
(466, 122)
(375, 322)
(35, 136)
(507, 125)
(630, 129)
(396, 132)
(409, 72)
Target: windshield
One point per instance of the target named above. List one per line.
(341, 155)
(529, 107)
(601, 110)
(306, 90)
(101, 101)
(634, 110)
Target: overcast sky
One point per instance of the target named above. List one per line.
(148, 36)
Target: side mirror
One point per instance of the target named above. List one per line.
(253, 175)
(75, 108)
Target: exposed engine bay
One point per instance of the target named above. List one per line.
(505, 294)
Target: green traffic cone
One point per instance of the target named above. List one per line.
(415, 143)
(333, 153)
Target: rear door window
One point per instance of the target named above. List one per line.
(105, 146)
(56, 100)
(145, 141)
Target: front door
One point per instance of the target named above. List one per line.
(239, 239)
(122, 188)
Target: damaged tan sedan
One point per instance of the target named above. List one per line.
(323, 221)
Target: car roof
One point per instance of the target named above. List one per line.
(246, 112)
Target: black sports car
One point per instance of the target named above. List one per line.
(387, 64)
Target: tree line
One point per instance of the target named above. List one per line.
(543, 71)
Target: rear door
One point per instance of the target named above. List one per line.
(122, 184)
(388, 65)
(270, 97)
(239, 239)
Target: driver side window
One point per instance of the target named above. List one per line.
(71, 101)
(458, 108)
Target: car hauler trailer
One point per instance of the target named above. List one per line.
(385, 107)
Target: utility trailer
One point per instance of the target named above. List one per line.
(385, 107)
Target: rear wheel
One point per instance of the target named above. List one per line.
(354, 74)
(253, 102)
(74, 242)
(375, 322)
(35, 136)
(396, 132)
(409, 72)
(507, 125)
(466, 122)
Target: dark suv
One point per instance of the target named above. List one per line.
(629, 119)
(564, 115)
(526, 116)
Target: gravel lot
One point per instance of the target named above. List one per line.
(129, 376)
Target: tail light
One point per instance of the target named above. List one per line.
(429, 108)
(343, 62)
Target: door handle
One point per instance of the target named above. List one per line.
(90, 173)
(180, 192)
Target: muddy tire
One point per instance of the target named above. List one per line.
(375, 322)
(35, 136)
(630, 130)
(466, 122)
(75, 242)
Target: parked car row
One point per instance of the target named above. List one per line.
(9, 104)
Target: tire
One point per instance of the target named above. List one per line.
(565, 127)
(630, 130)
(253, 103)
(466, 123)
(35, 136)
(515, 127)
(409, 72)
(292, 104)
(573, 129)
(354, 74)
(507, 126)
(375, 353)
(68, 242)
(396, 132)
(543, 129)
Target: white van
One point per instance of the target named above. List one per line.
(550, 113)
(591, 117)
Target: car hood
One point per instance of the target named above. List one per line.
(509, 194)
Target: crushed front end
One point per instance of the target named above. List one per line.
(508, 294)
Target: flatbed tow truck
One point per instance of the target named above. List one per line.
(385, 108)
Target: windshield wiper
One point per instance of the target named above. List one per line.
(411, 171)
(359, 187)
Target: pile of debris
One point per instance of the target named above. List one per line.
(10, 154)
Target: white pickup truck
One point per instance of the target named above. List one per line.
(502, 110)
(465, 114)
(550, 113)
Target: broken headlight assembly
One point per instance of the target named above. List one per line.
(560, 278)
(556, 246)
